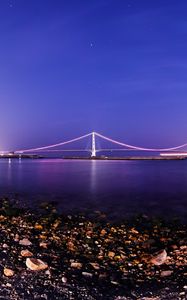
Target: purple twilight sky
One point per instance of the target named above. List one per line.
(68, 67)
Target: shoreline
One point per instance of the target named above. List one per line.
(144, 158)
(130, 158)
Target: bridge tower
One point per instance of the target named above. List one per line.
(93, 145)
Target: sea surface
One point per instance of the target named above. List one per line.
(117, 188)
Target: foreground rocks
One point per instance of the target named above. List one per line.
(36, 264)
(8, 272)
(26, 253)
(51, 256)
(159, 258)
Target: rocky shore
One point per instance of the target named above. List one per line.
(46, 255)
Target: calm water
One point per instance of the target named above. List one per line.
(118, 188)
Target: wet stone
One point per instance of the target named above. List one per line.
(85, 258)
(64, 279)
(25, 242)
(43, 245)
(76, 265)
(88, 275)
(36, 264)
(159, 257)
(26, 253)
(8, 272)
(166, 273)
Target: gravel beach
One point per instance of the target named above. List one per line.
(47, 255)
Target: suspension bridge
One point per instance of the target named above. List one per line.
(93, 149)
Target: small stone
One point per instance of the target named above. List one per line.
(159, 257)
(8, 272)
(26, 253)
(64, 279)
(8, 284)
(114, 282)
(134, 231)
(86, 274)
(174, 247)
(71, 246)
(76, 265)
(16, 238)
(5, 246)
(25, 242)
(166, 273)
(95, 266)
(184, 247)
(111, 254)
(38, 227)
(48, 273)
(102, 276)
(103, 232)
(43, 245)
(36, 264)
(2, 218)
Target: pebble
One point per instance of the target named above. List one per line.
(111, 254)
(43, 245)
(36, 264)
(114, 282)
(64, 279)
(95, 266)
(86, 274)
(8, 272)
(76, 265)
(25, 242)
(166, 273)
(16, 239)
(159, 258)
(8, 284)
(26, 253)
(48, 272)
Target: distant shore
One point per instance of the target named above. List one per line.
(19, 156)
(129, 158)
(35, 156)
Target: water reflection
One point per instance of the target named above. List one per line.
(113, 186)
(9, 171)
(93, 177)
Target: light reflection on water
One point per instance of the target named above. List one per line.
(116, 187)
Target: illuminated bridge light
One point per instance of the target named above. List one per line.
(93, 149)
(174, 154)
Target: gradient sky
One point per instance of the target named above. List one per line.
(68, 67)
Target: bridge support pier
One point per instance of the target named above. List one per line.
(93, 145)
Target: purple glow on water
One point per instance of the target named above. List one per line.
(118, 188)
